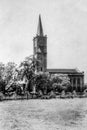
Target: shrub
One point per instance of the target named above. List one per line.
(74, 93)
(52, 94)
(1, 96)
(40, 94)
(63, 94)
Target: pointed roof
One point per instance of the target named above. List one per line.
(40, 28)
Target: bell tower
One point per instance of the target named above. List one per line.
(40, 48)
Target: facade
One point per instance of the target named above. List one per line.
(40, 52)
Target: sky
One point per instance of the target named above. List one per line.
(64, 22)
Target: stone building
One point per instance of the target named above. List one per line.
(40, 52)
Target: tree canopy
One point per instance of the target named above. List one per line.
(13, 76)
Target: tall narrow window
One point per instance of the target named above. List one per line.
(41, 68)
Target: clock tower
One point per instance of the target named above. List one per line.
(40, 48)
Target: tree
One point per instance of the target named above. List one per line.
(2, 82)
(60, 82)
(42, 81)
(27, 71)
(9, 71)
(2, 68)
(9, 74)
(65, 82)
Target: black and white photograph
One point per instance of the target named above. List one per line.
(43, 65)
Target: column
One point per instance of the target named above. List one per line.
(76, 83)
(72, 83)
(81, 83)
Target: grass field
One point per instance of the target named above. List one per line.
(54, 114)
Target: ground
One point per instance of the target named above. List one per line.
(53, 114)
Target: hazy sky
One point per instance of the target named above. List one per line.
(64, 22)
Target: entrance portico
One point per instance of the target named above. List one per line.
(77, 81)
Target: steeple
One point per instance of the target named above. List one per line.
(40, 28)
(40, 48)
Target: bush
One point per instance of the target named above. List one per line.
(63, 94)
(1, 96)
(69, 95)
(84, 93)
(40, 94)
(29, 96)
(45, 97)
(52, 94)
(14, 96)
(74, 93)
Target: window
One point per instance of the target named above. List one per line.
(41, 68)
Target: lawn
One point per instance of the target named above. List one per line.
(53, 114)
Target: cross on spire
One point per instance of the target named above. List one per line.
(40, 28)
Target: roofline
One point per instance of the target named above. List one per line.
(73, 71)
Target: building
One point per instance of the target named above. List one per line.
(40, 52)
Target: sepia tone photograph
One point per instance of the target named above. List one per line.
(43, 65)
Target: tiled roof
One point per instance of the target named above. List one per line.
(64, 71)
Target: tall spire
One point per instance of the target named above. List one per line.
(40, 28)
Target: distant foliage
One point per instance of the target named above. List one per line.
(42, 82)
(23, 79)
(60, 82)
